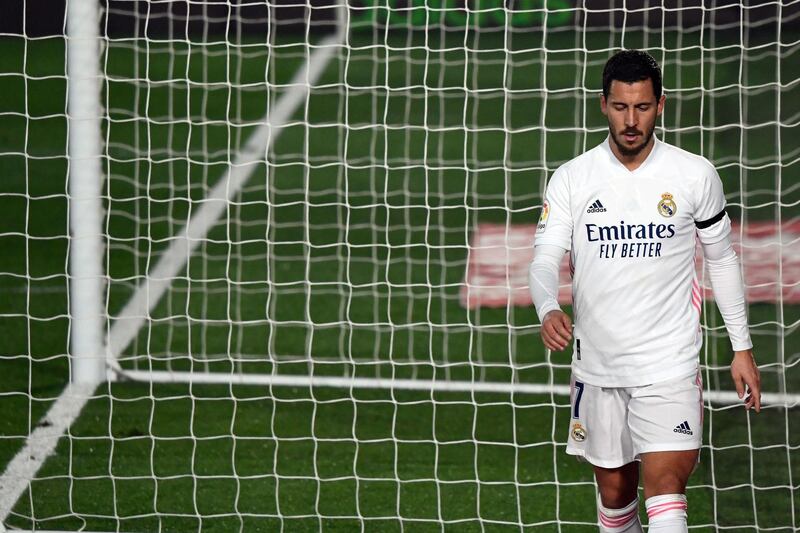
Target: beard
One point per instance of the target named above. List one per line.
(625, 149)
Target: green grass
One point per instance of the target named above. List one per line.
(352, 264)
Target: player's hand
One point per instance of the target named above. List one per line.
(745, 374)
(556, 330)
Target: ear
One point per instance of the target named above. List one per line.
(604, 105)
(660, 108)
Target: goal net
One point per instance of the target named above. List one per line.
(308, 273)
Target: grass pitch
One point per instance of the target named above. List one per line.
(343, 256)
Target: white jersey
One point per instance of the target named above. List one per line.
(632, 236)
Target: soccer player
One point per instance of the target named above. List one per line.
(629, 211)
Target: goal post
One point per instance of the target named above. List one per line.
(86, 186)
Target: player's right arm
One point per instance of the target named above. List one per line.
(556, 329)
(553, 239)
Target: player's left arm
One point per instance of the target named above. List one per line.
(747, 379)
(714, 232)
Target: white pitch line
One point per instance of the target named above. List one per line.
(717, 397)
(40, 445)
(130, 320)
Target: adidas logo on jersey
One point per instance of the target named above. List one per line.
(684, 428)
(596, 207)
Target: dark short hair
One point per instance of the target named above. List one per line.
(630, 66)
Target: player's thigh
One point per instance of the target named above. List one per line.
(667, 472)
(598, 429)
(618, 486)
(667, 416)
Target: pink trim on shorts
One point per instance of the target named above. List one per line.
(699, 382)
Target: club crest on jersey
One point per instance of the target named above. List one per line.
(543, 217)
(578, 432)
(667, 207)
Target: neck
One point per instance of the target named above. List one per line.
(634, 161)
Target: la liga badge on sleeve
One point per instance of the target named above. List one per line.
(543, 217)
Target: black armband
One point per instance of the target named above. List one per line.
(703, 224)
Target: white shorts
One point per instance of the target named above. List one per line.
(610, 427)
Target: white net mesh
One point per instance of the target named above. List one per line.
(317, 226)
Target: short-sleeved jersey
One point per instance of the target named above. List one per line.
(632, 238)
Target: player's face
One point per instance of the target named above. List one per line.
(632, 109)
